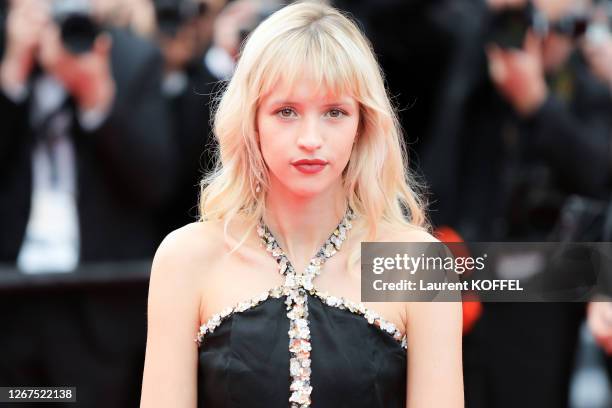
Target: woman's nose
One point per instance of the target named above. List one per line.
(309, 137)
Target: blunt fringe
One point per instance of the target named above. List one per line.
(312, 37)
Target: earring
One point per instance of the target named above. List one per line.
(257, 183)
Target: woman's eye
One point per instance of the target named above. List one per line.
(336, 113)
(286, 112)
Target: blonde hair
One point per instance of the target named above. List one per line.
(315, 37)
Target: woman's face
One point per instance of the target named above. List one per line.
(306, 137)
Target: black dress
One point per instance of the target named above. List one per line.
(295, 346)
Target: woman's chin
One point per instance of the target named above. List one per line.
(304, 189)
(307, 191)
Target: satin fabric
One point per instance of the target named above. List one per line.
(245, 362)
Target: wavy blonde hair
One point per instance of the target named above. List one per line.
(328, 44)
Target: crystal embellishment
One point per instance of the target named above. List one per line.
(295, 289)
(298, 285)
(359, 308)
(218, 318)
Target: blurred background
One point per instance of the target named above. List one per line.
(506, 107)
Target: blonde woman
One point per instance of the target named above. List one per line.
(311, 163)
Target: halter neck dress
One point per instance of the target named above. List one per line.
(295, 346)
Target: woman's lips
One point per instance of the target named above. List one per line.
(309, 168)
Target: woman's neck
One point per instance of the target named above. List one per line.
(301, 225)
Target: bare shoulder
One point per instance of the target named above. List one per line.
(194, 238)
(180, 262)
(404, 234)
(191, 243)
(169, 377)
(428, 319)
(419, 315)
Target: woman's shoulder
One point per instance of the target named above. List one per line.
(202, 242)
(411, 233)
(190, 247)
(404, 233)
(446, 316)
(194, 239)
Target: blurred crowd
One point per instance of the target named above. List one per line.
(506, 107)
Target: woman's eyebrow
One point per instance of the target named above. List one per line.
(338, 103)
(284, 102)
(326, 105)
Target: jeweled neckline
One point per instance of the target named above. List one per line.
(297, 285)
(331, 245)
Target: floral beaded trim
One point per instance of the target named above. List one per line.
(218, 318)
(355, 307)
(360, 309)
(296, 279)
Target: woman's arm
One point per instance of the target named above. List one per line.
(434, 338)
(435, 373)
(170, 370)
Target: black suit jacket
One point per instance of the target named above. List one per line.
(92, 339)
(125, 167)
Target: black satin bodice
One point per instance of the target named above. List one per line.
(244, 363)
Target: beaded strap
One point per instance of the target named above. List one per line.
(297, 283)
(360, 309)
(218, 318)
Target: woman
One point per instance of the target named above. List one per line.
(310, 153)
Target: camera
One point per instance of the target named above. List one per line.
(78, 28)
(573, 25)
(172, 14)
(508, 26)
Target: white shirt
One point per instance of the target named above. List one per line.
(52, 239)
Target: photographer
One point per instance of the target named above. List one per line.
(527, 126)
(85, 136)
(565, 110)
(561, 123)
(86, 158)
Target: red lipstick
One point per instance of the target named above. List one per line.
(309, 166)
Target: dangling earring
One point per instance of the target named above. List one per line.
(257, 183)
